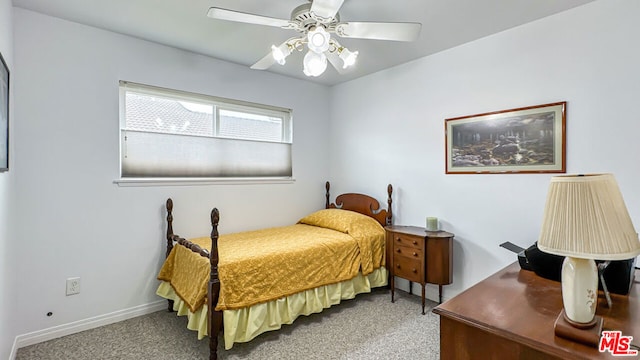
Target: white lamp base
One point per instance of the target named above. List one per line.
(577, 321)
(579, 291)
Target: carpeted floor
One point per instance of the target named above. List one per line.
(368, 327)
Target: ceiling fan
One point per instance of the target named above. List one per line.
(316, 21)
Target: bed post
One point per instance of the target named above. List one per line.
(389, 213)
(215, 317)
(327, 186)
(169, 206)
(169, 226)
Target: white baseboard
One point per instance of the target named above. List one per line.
(82, 325)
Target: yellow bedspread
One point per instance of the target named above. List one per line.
(325, 247)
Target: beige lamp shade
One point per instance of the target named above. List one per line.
(585, 217)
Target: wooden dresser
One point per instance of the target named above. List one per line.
(511, 315)
(419, 256)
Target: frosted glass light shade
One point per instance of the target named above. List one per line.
(280, 53)
(585, 217)
(314, 64)
(348, 57)
(318, 40)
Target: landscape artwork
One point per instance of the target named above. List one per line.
(523, 140)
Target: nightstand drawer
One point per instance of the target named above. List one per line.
(406, 268)
(408, 252)
(408, 241)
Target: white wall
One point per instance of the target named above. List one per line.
(587, 56)
(72, 219)
(384, 128)
(6, 332)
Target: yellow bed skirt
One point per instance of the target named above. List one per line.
(244, 324)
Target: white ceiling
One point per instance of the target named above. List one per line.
(183, 24)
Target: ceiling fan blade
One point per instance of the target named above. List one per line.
(325, 9)
(379, 30)
(264, 63)
(232, 15)
(335, 60)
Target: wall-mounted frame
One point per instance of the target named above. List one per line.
(4, 115)
(524, 140)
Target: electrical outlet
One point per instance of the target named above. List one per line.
(73, 286)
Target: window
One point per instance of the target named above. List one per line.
(172, 134)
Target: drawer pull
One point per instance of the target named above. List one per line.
(398, 266)
(399, 251)
(415, 271)
(399, 239)
(415, 242)
(415, 254)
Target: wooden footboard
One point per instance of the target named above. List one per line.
(214, 317)
(350, 201)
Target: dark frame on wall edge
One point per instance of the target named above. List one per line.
(4, 115)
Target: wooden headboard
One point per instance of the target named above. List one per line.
(364, 204)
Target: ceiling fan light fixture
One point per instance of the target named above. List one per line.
(280, 53)
(314, 63)
(314, 21)
(348, 57)
(318, 39)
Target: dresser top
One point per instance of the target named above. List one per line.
(418, 231)
(522, 306)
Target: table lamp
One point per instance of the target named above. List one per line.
(585, 219)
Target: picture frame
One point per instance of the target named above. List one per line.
(523, 140)
(4, 115)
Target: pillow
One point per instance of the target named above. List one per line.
(346, 221)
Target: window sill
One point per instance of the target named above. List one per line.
(131, 182)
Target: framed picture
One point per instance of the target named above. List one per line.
(4, 115)
(524, 140)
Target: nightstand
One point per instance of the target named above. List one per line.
(419, 256)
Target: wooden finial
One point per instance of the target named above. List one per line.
(389, 211)
(169, 206)
(327, 186)
(215, 217)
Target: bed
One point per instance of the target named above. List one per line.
(259, 280)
